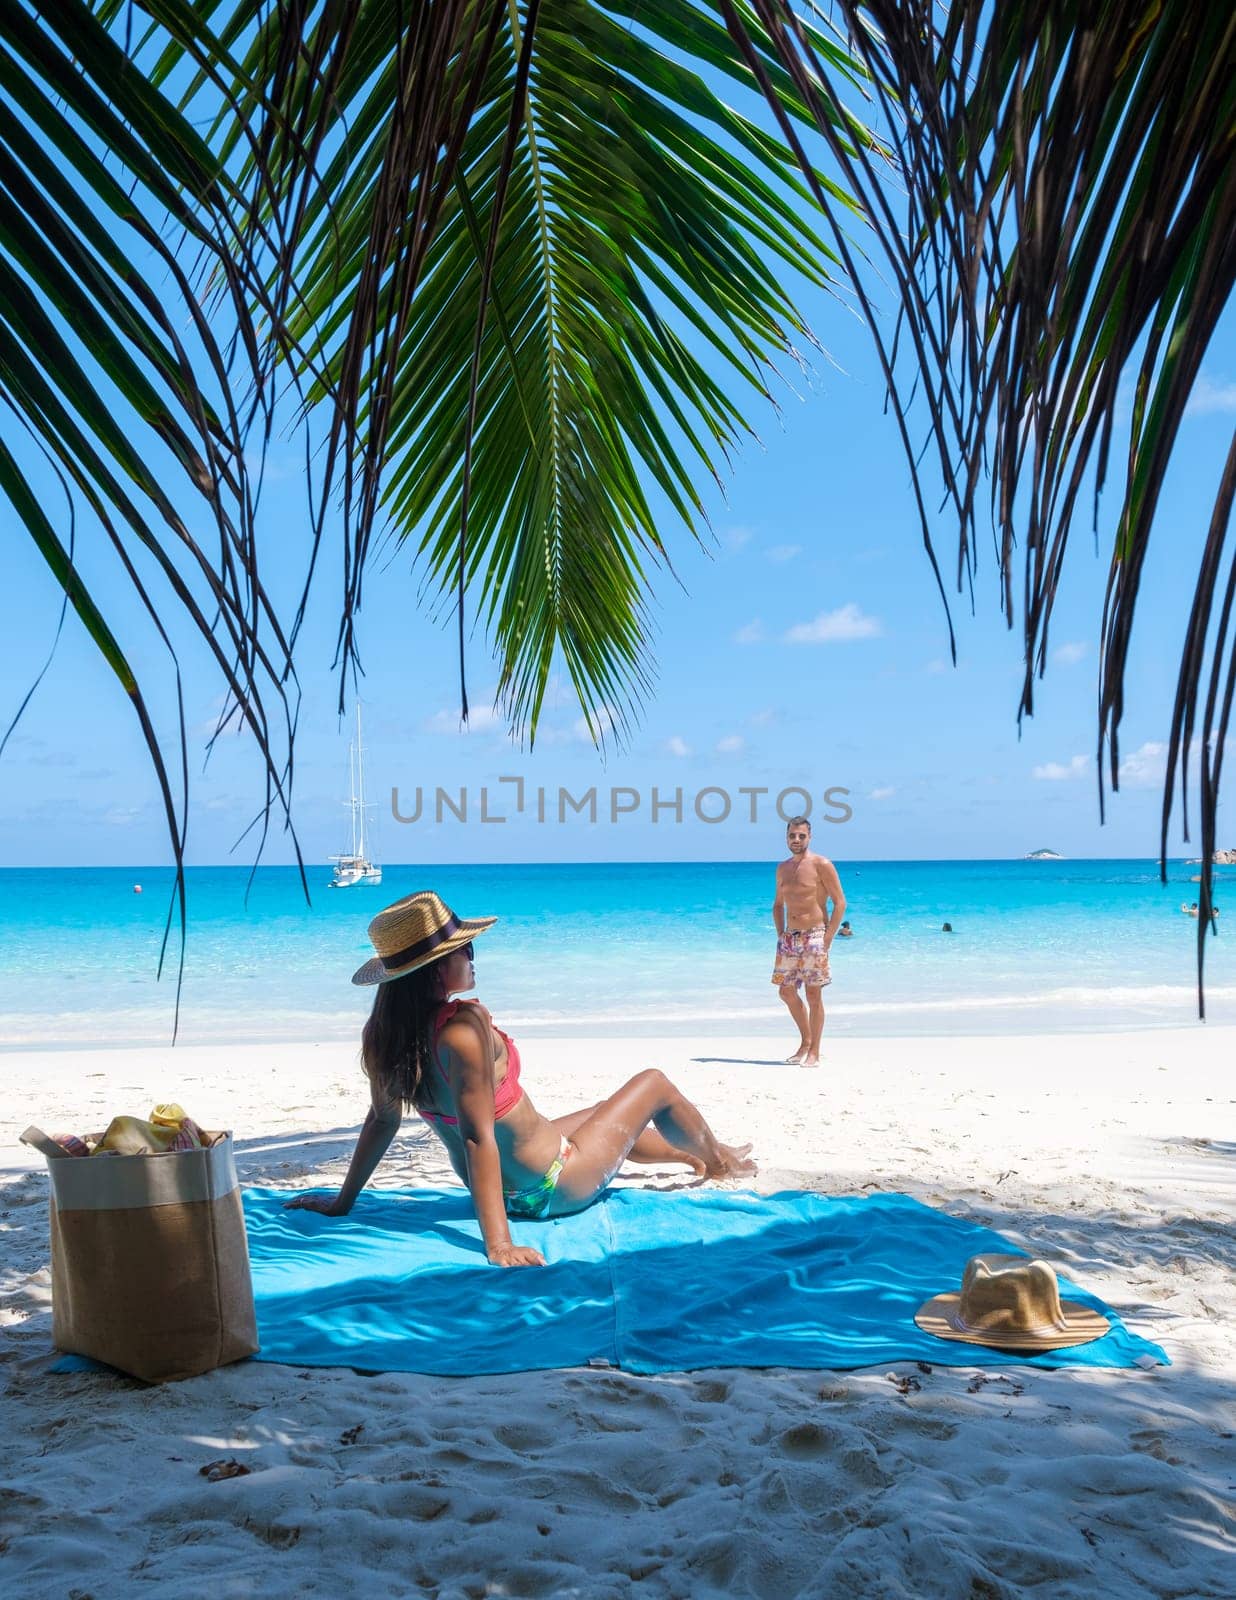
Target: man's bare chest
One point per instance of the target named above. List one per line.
(801, 880)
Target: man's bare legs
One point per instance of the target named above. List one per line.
(793, 1000)
(603, 1142)
(815, 1016)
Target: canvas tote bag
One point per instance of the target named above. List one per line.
(150, 1266)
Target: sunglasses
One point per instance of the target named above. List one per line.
(467, 950)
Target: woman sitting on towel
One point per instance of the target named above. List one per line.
(423, 1050)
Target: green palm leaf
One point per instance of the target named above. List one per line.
(1069, 229)
(539, 312)
(119, 384)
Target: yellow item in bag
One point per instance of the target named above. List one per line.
(130, 1136)
(186, 1133)
(169, 1129)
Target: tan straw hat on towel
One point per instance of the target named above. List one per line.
(416, 930)
(1012, 1303)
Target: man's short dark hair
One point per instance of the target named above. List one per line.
(796, 822)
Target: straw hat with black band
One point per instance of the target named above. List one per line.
(1011, 1303)
(416, 930)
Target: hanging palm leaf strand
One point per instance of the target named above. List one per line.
(1069, 226)
(378, 98)
(100, 377)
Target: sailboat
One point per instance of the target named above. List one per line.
(355, 867)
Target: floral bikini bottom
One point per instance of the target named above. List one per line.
(532, 1203)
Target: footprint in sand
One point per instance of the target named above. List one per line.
(523, 1437)
(279, 1536)
(421, 1503)
(808, 1439)
(1151, 1442)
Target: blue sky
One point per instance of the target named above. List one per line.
(804, 645)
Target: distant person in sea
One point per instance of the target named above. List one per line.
(947, 928)
(1189, 910)
(424, 1050)
(845, 931)
(806, 882)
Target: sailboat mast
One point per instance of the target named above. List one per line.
(352, 787)
(360, 782)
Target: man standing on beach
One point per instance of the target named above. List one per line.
(805, 932)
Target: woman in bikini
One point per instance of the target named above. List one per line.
(426, 1051)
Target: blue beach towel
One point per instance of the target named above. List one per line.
(644, 1280)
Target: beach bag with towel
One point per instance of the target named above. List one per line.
(150, 1267)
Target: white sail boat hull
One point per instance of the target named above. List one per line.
(349, 873)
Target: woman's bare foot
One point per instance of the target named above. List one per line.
(809, 1061)
(733, 1162)
(796, 1060)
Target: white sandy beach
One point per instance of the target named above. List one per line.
(1113, 1155)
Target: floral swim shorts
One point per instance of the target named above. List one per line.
(802, 957)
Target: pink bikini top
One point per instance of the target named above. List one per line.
(508, 1093)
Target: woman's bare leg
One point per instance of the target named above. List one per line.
(651, 1149)
(604, 1140)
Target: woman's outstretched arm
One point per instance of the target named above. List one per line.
(466, 1046)
(373, 1141)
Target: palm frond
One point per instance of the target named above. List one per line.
(520, 274)
(1069, 229)
(119, 384)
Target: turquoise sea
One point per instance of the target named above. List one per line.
(621, 948)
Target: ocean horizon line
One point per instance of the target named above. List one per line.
(572, 861)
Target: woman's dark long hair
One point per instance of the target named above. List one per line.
(397, 1042)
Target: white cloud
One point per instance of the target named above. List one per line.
(734, 539)
(677, 745)
(448, 720)
(832, 627)
(784, 552)
(604, 722)
(1068, 655)
(558, 693)
(882, 794)
(937, 666)
(122, 816)
(761, 719)
(1143, 768)
(1209, 397)
(1055, 772)
(208, 727)
(1146, 768)
(284, 466)
(730, 745)
(750, 633)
